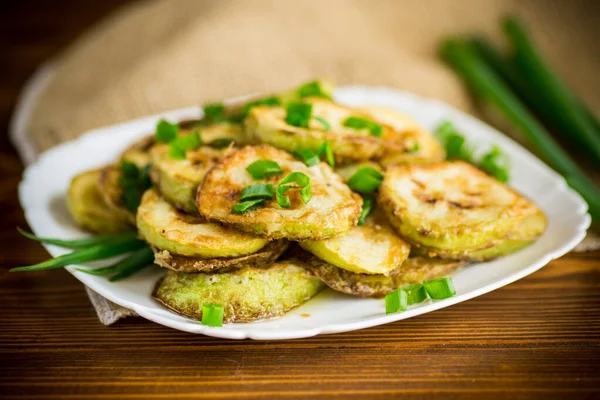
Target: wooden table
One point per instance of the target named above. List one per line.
(539, 337)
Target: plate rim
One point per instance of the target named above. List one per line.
(195, 112)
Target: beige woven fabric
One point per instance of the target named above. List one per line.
(160, 55)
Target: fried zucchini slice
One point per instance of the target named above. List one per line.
(372, 248)
(247, 294)
(408, 142)
(268, 254)
(412, 270)
(333, 209)
(401, 141)
(161, 225)
(529, 230)
(88, 208)
(451, 208)
(178, 180)
(138, 153)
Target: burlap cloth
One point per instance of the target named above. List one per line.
(160, 55)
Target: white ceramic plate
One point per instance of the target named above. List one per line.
(42, 195)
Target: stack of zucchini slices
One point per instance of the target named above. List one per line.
(363, 195)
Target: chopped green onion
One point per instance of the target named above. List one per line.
(176, 152)
(367, 207)
(261, 169)
(396, 301)
(212, 314)
(133, 182)
(267, 101)
(111, 269)
(495, 163)
(323, 121)
(166, 131)
(298, 114)
(79, 243)
(325, 151)
(295, 180)
(366, 180)
(359, 123)
(440, 288)
(247, 206)
(416, 293)
(134, 263)
(220, 143)
(260, 191)
(96, 252)
(454, 143)
(415, 147)
(214, 111)
(313, 89)
(308, 157)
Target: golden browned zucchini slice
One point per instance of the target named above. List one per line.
(178, 180)
(161, 225)
(407, 142)
(412, 270)
(372, 248)
(88, 208)
(138, 153)
(333, 209)
(268, 254)
(529, 230)
(451, 208)
(268, 125)
(247, 294)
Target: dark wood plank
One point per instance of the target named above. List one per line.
(537, 338)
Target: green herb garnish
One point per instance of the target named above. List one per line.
(298, 114)
(220, 143)
(260, 191)
(308, 157)
(323, 121)
(326, 152)
(365, 181)
(247, 206)
(79, 243)
(313, 89)
(359, 123)
(367, 207)
(295, 180)
(166, 131)
(396, 301)
(179, 146)
(261, 169)
(416, 293)
(133, 182)
(440, 288)
(212, 314)
(214, 111)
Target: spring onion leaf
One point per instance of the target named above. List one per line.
(415, 147)
(133, 182)
(267, 101)
(366, 180)
(261, 169)
(295, 180)
(214, 111)
(416, 293)
(440, 288)
(220, 143)
(359, 123)
(454, 142)
(78, 243)
(396, 301)
(367, 207)
(260, 191)
(247, 206)
(495, 163)
(323, 121)
(166, 131)
(96, 252)
(325, 151)
(179, 146)
(176, 152)
(313, 89)
(308, 157)
(135, 262)
(212, 314)
(298, 114)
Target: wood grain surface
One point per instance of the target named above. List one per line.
(536, 338)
